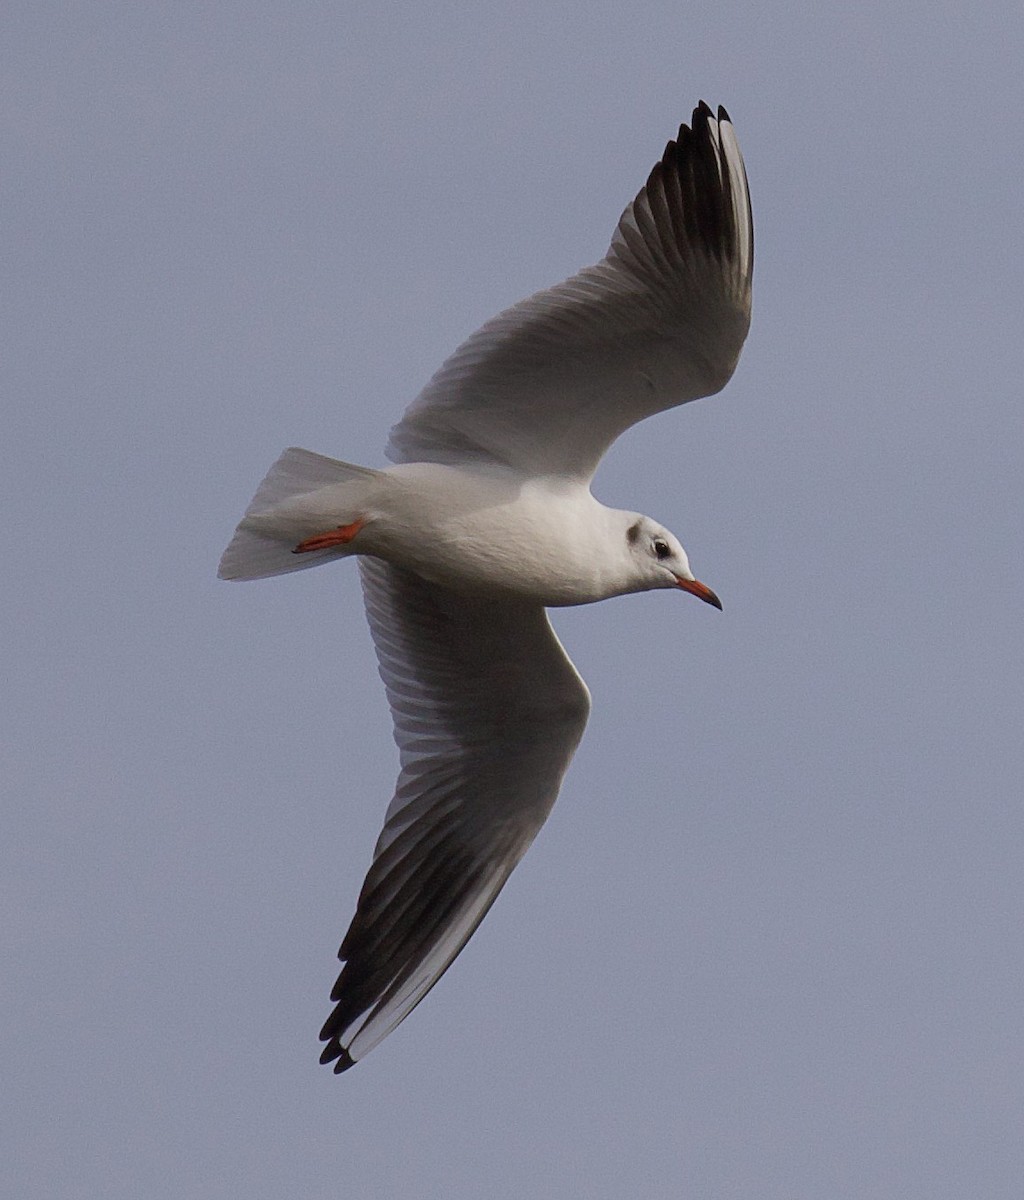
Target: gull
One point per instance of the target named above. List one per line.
(483, 522)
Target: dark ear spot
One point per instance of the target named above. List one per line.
(633, 533)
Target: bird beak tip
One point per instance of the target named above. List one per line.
(701, 591)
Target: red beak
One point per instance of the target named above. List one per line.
(700, 590)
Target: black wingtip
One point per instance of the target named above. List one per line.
(344, 1062)
(335, 1053)
(704, 113)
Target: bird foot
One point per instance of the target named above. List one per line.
(334, 537)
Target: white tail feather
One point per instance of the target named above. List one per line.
(302, 495)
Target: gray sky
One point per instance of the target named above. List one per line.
(769, 944)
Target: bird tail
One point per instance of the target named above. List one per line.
(303, 495)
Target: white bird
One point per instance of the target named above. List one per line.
(485, 520)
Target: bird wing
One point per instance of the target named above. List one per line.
(548, 385)
(488, 711)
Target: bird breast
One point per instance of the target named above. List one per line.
(491, 531)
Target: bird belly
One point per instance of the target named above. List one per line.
(490, 534)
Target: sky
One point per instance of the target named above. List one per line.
(769, 944)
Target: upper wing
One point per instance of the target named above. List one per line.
(549, 384)
(488, 711)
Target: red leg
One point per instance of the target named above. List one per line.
(334, 537)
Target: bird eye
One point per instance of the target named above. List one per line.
(661, 548)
